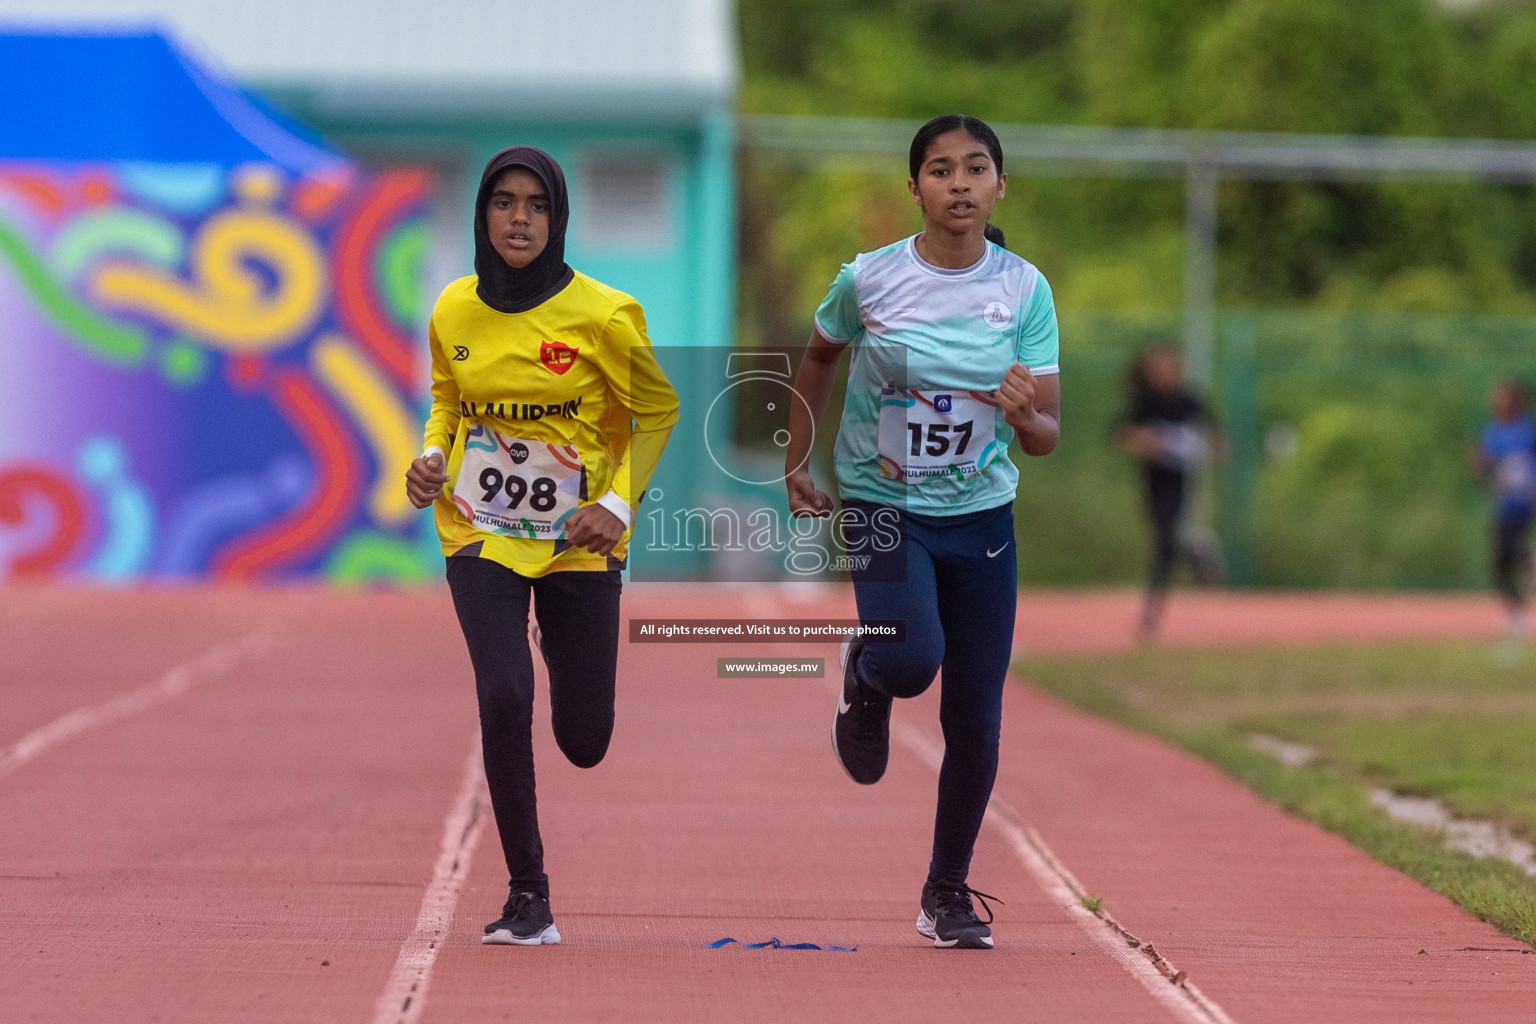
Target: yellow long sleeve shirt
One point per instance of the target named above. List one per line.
(573, 381)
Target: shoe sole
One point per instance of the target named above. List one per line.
(967, 940)
(504, 937)
(842, 663)
(839, 753)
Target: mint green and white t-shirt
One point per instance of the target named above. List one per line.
(920, 428)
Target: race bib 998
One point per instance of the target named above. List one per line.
(926, 434)
(518, 488)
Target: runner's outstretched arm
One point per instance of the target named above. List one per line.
(425, 478)
(629, 363)
(813, 383)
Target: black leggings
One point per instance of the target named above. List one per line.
(578, 614)
(1165, 490)
(1512, 559)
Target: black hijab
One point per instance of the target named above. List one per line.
(507, 289)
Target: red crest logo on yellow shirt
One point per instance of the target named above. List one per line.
(556, 356)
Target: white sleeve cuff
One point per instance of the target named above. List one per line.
(429, 449)
(617, 505)
(834, 339)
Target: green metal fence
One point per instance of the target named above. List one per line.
(1347, 464)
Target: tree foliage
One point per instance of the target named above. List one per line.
(1372, 67)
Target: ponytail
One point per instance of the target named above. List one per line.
(995, 235)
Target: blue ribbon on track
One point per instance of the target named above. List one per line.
(776, 944)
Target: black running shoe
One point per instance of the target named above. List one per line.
(861, 732)
(525, 921)
(948, 918)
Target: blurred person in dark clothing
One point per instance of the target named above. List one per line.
(1169, 430)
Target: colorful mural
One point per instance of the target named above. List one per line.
(208, 371)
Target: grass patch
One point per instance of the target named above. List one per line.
(1442, 720)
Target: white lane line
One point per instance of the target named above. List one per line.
(216, 661)
(1169, 986)
(405, 995)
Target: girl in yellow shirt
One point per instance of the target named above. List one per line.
(549, 414)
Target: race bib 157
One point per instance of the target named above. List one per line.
(925, 434)
(518, 488)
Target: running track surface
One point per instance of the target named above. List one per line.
(239, 805)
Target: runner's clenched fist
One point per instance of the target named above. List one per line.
(1016, 396)
(424, 480)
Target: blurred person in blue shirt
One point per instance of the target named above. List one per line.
(1506, 460)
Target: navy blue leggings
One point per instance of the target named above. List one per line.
(954, 580)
